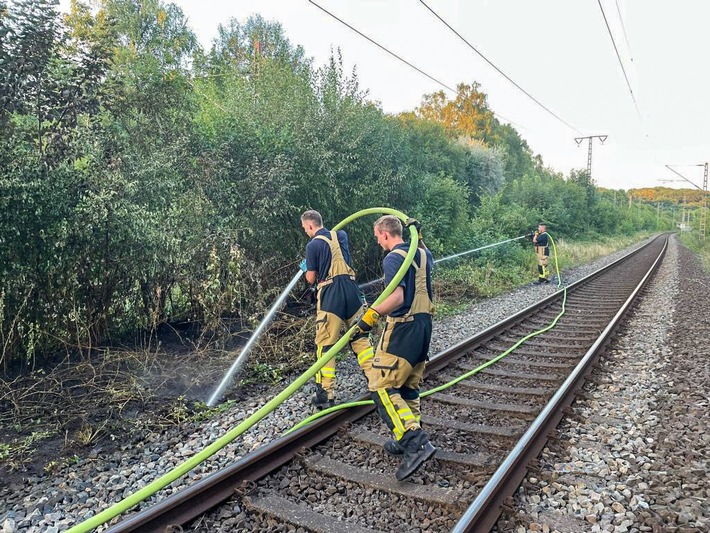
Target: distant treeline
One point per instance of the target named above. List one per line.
(146, 180)
(668, 196)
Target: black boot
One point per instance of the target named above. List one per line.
(392, 447)
(320, 398)
(417, 449)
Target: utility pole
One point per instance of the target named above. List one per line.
(579, 140)
(704, 206)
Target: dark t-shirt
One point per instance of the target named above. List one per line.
(542, 240)
(318, 256)
(391, 264)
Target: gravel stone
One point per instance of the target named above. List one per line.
(652, 392)
(638, 435)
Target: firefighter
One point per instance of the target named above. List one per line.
(339, 299)
(396, 369)
(542, 252)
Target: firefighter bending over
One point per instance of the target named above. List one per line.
(339, 299)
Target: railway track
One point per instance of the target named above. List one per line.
(333, 474)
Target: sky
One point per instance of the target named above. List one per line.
(559, 51)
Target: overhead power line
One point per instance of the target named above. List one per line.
(381, 47)
(686, 179)
(621, 64)
(623, 29)
(499, 70)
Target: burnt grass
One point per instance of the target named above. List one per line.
(71, 410)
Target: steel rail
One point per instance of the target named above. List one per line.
(485, 510)
(187, 504)
(444, 357)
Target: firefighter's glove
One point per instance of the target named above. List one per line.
(366, 322)
(418, 225)
(302, 266)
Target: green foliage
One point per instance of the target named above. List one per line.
(144, 180)
(264, 373)
(699, 245)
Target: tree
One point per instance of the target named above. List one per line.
(584, 180)
(242, 47)
(518, 158)
(50, 77)
(468, 114)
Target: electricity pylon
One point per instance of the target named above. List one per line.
(579, 140)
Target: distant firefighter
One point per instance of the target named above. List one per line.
(542, 250)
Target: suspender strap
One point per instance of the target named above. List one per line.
(338, 266)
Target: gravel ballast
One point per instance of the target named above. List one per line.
(54, 503)
(633, 454)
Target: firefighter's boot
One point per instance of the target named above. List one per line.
(417, 449)
(320, 398)
(392, 447)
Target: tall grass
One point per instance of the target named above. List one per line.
(511, 266)
(572, 254)
(698, 245)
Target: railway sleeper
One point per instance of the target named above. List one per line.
(300, 515)
(449, 423)
(515, 391)
(569, 352)
(614, 296)
(519, 375)
(587, 312)
(511, 360)
(430, 494)
(564, 327)
(473, 415)
(547, 341)
(590, 321)
(471, 460)
(566, 336)
(516, 410)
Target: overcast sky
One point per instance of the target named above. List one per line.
(559, 51)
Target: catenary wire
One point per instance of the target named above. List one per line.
(398, 57)
(623, 29)
(499, 70)
(621, 64)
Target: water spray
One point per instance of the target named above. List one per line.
(239, 361)
(461, 254)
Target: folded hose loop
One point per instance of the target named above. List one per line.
(410, 254)
(462, 377)
(183, 468)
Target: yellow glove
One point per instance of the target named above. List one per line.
(366, 322)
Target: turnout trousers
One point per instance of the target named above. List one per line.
(543, 255)
(396, 369)
(338, 305)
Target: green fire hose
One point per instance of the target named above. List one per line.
(180, 470)
(454, 381)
